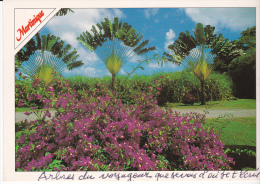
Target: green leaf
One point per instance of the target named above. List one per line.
(141, 67)
(16, 148)
(33, 146)
(199, 35)
(155, 55)
(47, 153)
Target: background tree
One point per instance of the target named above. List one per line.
(242, 69)
(201, 53)
(63, 11)
(114, 43)
(46, 54)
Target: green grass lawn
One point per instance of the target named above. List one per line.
(24, 109)
(235, 131)
(239, 137)
(231, 104)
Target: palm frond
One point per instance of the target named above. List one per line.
(63, 11)
(51, 48)
(108, 42)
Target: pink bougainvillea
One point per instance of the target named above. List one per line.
(97, 132)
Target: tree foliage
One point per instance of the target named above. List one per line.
(63, 11)
(115, 43)
(46, 51)
(243, 68)
(52, 44)
(222, 49)
(202, 52)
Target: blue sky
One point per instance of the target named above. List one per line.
(160, 26)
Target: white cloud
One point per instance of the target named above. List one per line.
(136, 58)
(169, 39)
(236, 19)
(88, 57)
(119, 13)
(70, 37)
(154, 65)
(170, 35)
(82, 20)
(150, 12)
(133, 58)
(109, 74)
(171, 65)
(69, 27)
(122, 72)
(84, 71)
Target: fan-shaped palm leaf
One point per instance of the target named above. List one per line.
(51, 49)
(115, 44)
(201, 53)
(43, 66)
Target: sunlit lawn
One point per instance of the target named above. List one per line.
(235, 131)
(24, 109)
(237, 134)
(231, 104)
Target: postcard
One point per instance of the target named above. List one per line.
(130, 91)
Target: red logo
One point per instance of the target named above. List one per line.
(30, 24)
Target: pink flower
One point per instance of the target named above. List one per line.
(39, 97)
(27, 113)
(46, 101)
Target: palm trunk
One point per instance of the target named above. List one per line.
(203, 96)
(113, 82)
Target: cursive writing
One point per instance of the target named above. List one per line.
(56, 176)
(23, 30)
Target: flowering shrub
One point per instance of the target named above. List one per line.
(21, 90)
(33, 93)
(188, 99)
(100, 133)
(171, 86)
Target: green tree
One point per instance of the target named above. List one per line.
(114, 43)
(63, 11)
(201, 53)
(243, 68)
(46, 54)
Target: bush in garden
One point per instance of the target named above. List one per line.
(166, 87)
(21, 90)
(188, 99)
(32, 93)
(175, 85)
(172, 86)
(100, 133)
